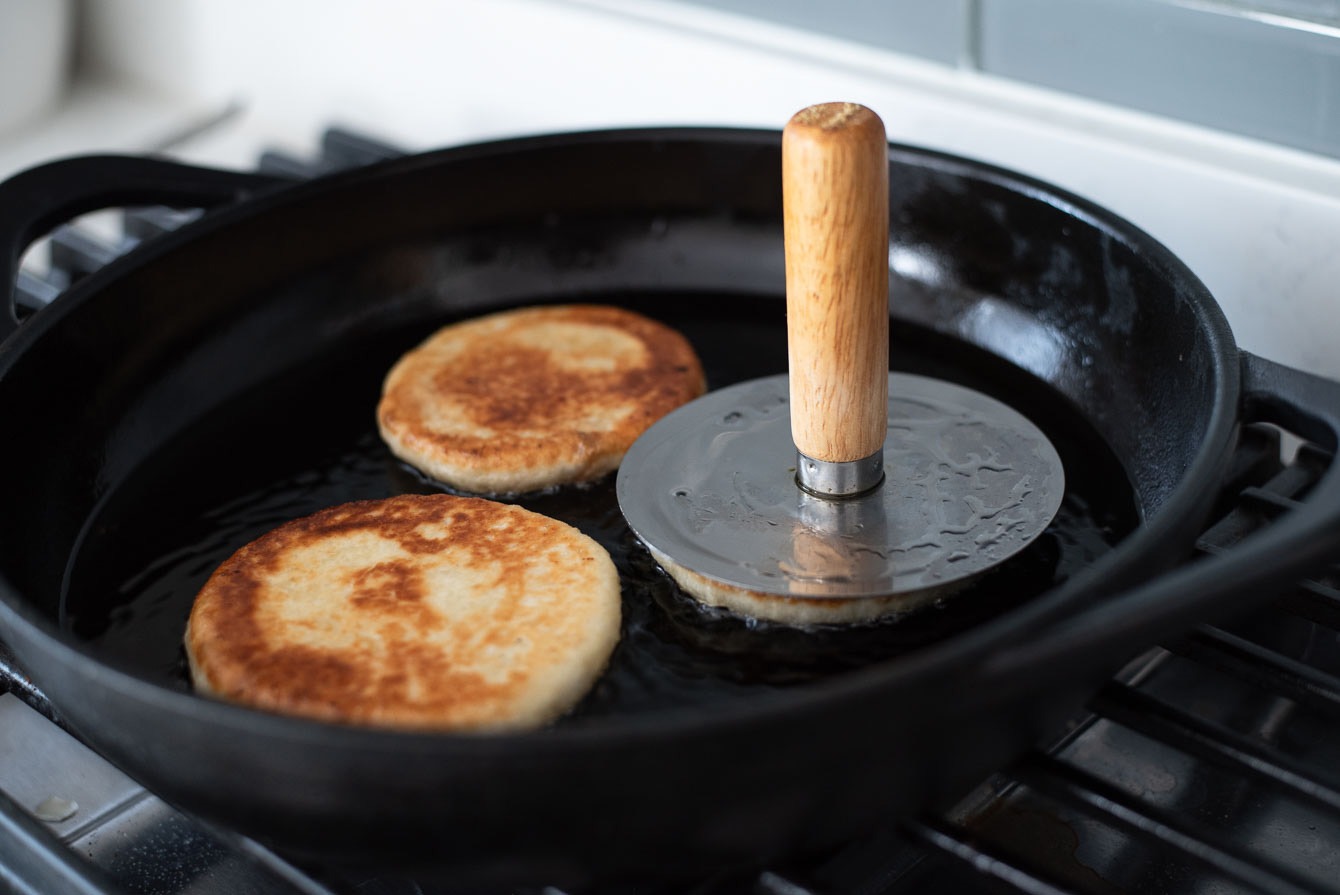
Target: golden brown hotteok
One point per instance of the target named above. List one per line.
(428, 612)
(530, 398)
(795, 610)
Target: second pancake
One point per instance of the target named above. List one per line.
(535, 397)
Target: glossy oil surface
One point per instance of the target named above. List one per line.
(308, 440)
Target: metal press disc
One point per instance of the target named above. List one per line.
(968, 483)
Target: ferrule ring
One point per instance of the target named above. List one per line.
(850, 478)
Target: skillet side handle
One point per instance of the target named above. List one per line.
(1302, 403)
(1262, 566)
(35, 201)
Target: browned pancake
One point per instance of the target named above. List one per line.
(795, 610)
(418, 612)
(526, 399)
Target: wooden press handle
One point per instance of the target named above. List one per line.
(835, 199)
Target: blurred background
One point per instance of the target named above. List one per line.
(1213, 124)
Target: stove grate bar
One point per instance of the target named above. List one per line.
(345, 148)
(32, 292)
(143, 222)
(33, 860)
(1269, 501)
(79, 252)
(1196, 736)
(1315, 599)
(1316, 602)
(1262, 667)
(983, 859)
(14, 680)
(1255, 506)
(1080, 790)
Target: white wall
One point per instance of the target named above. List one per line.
(1256, 222)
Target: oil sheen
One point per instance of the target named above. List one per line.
(309, 441)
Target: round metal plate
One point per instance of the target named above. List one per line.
(969, 482)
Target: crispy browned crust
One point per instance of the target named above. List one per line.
(529, 398)
(796, 610)
(419, 611)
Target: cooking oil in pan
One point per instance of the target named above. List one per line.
(143, 558)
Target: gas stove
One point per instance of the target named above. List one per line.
(1207, 765)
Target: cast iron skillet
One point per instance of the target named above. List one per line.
(227, 372)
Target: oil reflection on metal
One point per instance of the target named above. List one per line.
(969, 482)
(836, 541)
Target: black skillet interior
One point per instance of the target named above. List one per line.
(997, 284)
(312, 443)
(227, 379)
(305, 439)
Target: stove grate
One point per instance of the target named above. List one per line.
(1210, 765)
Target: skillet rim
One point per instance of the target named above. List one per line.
(949, 660)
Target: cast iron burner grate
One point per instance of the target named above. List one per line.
(1211, 764)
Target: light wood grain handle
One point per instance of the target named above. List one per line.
(835, 197)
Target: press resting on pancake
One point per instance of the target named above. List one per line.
(892, 490)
